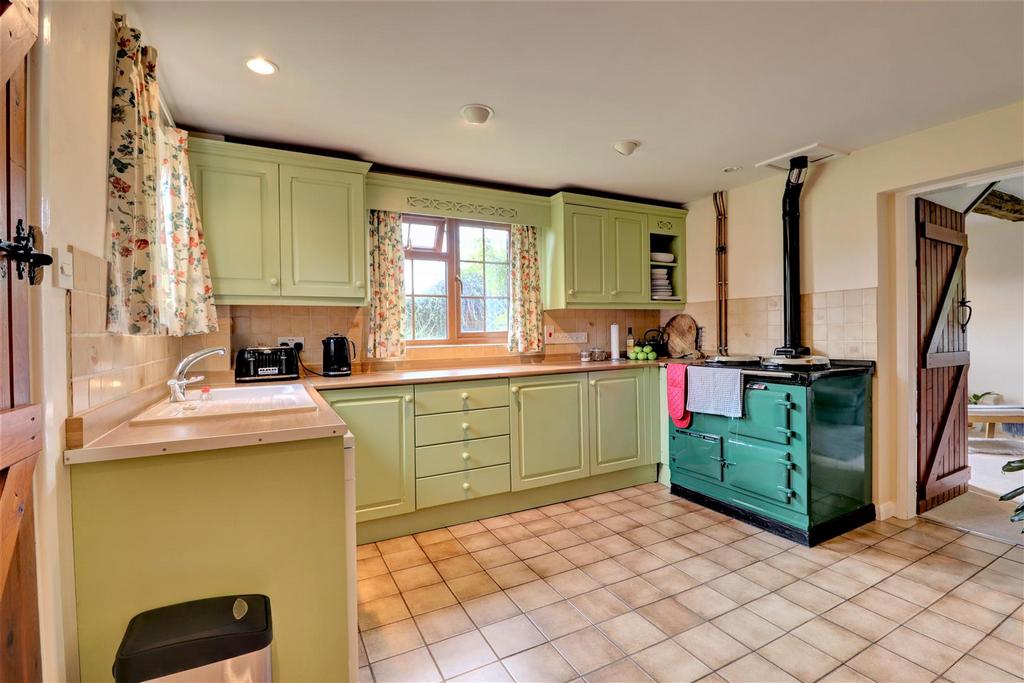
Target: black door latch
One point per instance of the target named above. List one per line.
(22, 250)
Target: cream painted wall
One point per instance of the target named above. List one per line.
(839, 238)
(995, 286)
(69, 108)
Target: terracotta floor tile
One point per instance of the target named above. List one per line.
(461, 653)
(902, 549)
(555, 509)
(472, 586)
(376, 587)
(909, 590)
(889, 606)
(978, 558)
(972, 670)
(737, 588)
(754, 669)
(558, 619)
(711, 645)
(701, 568)
(467, 529)
(457, 566)
(747, 627)
(367, 550)
(763, 574)
(798, 658)
(397, 545)
(592, 531)
(642, 536)
(1000, 582)
(791, 563)
(1001, 654)
(781, 612)
(619, 672)
(639, 561)
(405, 559)
(670, 580)
(524, 516)
(444, 549)
(512, 635)
(666, 661)
(444, 623)
(512, 574)
(572, 583)
(542, 663)
(669, 616)
(416, 577)
(968, 613)
(669, 528)
(587, 650)
(599, 513)
(548, 564)
(863, 572)
(490, 608)
(831, 638)
(958, 636)
(542, 526)
(882, 559)
(670, 551)
(729, 557)
(512, 533)
(583, 554)
(882, 665)
(428, 598)
(631, 632)
(479, 541)
(494, 672)
(494, 557)
(614, 545)
(635, 592)
(705, 601)
(370, 567)
(920, 649)
(1012, 631)
(434, 536)
(607, 571)
(817, 554)
(563, 538)
(571, 519)
(599, 605)
(724, 533)
(529, 596)
(530, 547)
(837, 583)
(417, 665)
(864, 623)
(498, 522)
(986, 597)
(620, 523)
(392, 639)
(383, 611)
(757, 548)
(364, 675)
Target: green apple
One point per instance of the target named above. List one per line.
(632, 355)
(648, 349)
(652, 356)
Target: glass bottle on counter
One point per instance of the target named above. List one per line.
(630, 342)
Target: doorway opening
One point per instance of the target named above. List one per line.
(970, 334)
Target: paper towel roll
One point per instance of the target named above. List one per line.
(615, 341)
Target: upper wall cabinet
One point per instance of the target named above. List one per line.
(281, 227)
(597, 253)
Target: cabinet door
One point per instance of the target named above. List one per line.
(629, 258)
(550, 431)
(382, 422)
(763, 470)
(617, 427)
(696, 453)
(323, 233)
(238, 202)
(586, 254)
(766, 413)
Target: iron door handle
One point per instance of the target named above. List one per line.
(784, 430)
(964, 303)
(787, 493)
(785, 404)
(784, 461)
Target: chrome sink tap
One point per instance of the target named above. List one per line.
(178, 383)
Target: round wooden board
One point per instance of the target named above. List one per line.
(681, 334)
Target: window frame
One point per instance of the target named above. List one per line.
(449, 227)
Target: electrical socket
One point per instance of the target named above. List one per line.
(291, 341)
(552, 337)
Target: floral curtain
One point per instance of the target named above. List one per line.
(526, 316)
(387, 285)
(159, 281)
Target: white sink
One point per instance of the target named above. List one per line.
(230, 402)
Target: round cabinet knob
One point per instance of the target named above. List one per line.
(465, 426)
(572, 291)
(359, 283)
(408, 399)
(465, 486)
(593, 382)
(515, 390)
(465, 395)
(273, 282)
(465, 456)
(614, 292)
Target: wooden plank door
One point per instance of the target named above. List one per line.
(943, 360)
(20, 421)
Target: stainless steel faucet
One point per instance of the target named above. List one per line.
(178, 383)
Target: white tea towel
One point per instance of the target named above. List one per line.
(716, 391)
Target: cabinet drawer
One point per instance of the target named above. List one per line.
(473, 424)
(696, 453)
(449, 398)
(461, 455)
(458, 486)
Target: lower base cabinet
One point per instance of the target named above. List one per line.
(455, 487)
(550, 422)
(382, 421)
(618, 420)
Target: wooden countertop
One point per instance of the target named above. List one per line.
(133, 441)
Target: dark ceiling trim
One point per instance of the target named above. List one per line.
(429, 175)
(980, 197)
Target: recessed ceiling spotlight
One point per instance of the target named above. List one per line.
(626, 147)
(732, 169)
(261, 66)
(477, 114)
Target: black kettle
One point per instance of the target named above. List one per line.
(339, 352)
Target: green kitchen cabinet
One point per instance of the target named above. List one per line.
(281, 227)
(550, 430)
(630, 277)
(238, 203)
(587, 250)
(323, 235)
(618, 414)
(382, 421)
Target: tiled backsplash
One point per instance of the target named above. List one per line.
(262, 325)
(841, 324)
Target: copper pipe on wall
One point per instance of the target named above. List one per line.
(722, 271)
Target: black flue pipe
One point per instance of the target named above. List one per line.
(791, 259)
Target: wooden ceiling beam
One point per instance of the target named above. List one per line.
(1001, 205)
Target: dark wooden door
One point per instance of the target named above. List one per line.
(20, 420)
(943, 359)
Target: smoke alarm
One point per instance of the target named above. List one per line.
(816, 154)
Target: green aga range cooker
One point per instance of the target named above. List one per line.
(798, 461)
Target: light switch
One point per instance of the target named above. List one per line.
(63, 269)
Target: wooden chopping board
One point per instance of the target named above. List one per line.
(681, 335)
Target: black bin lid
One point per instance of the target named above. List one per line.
(166, 640)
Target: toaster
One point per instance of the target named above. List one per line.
(266, 363)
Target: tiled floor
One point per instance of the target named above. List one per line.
(638, 585)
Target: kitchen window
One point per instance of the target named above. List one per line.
(456, 280)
